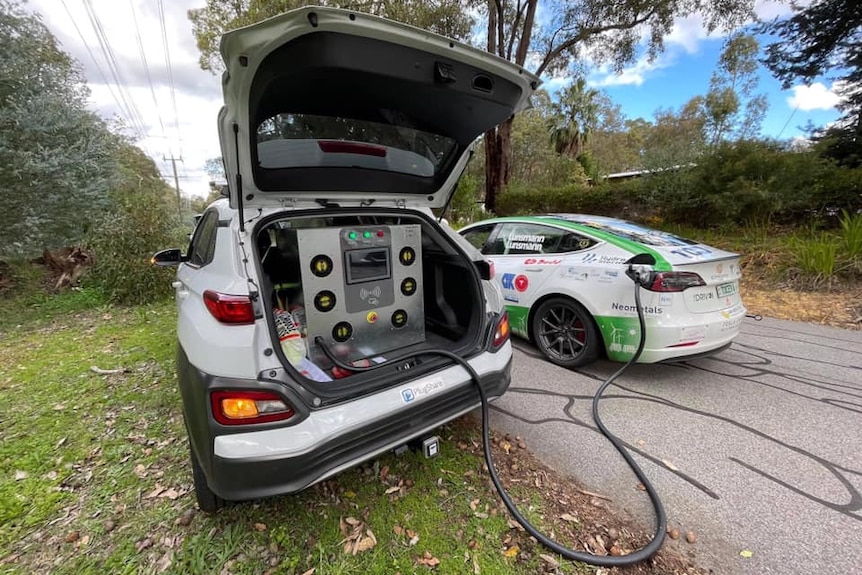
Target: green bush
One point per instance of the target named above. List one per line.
(851, 234)
(466, 206)
(816, 258)
(144, 221)
(574, 198)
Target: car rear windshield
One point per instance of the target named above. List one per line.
(310, 141)
(629, 231)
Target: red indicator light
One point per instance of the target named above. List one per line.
(380, 233)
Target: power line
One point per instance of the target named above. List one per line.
(788, 121)
(143, 55)
(167, 51)
(110, 59)
(123, 111)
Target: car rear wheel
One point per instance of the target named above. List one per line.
(208, 501)
(565, 332)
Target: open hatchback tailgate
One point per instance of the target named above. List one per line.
(328, 106)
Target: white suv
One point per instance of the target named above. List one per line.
(340, 132)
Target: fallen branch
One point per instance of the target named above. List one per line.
(597, 495)
(101, 371)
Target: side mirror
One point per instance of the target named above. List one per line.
(170, 257)
(485, 269)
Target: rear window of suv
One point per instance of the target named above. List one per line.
(311, 141)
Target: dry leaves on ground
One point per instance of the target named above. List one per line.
(357, 536)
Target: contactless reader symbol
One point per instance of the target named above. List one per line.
(371, 296)
(407, 256)
(324, 301)
(321, 265)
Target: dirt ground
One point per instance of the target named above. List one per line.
(839, 308)
(583, 520)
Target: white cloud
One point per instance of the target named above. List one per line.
(633, 75)
(687, 33)
(189, 133)
(769, 9)
(814, 97)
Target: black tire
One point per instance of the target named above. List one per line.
(565, 332)
(208, 501)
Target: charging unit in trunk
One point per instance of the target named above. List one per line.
(362, 287)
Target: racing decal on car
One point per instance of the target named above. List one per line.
(541, 262)
(516, 282)
(524, 242)
(621, 336)
(692, 252)
(411, 394)
(632, 308)
(594, 258)
(576, 274)
(692, 333)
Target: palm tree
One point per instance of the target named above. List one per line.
(573, 117)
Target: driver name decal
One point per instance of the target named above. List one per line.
(524, 242)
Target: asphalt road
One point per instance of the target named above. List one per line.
(756, 449)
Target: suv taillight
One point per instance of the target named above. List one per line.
(674, 281)
(242, 407)
(501, 332)
(231, 309)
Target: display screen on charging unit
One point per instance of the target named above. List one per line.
(367, 265)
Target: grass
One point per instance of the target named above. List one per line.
(94, 475)
(798, 257)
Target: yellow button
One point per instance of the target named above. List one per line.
(371, 317)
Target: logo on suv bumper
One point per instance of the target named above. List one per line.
(412, 393)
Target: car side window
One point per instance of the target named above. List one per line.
(202, 246)
(524, 238)
(572, 242)
(478, 237)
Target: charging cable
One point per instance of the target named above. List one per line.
(599, 560)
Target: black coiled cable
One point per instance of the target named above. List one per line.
(599, 560)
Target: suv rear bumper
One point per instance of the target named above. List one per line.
(262, 463)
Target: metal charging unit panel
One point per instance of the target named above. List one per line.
(363, 289)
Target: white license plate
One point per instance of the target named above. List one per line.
(725, 290)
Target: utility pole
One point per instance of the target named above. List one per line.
(176, 182)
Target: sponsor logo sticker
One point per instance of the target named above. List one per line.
(603, 259)
(411, 394)
(511, 281)
(541, 262)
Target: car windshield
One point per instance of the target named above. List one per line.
(628, 230)
(310, 141)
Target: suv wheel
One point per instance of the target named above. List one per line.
(208, 501)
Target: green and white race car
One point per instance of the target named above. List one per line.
(563, 278)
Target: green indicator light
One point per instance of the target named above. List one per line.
(367, 234)
(352, 235)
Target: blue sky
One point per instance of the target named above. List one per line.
(177, 109)
(684, 70)
(680, 75)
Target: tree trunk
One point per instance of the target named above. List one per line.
(498, 142)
